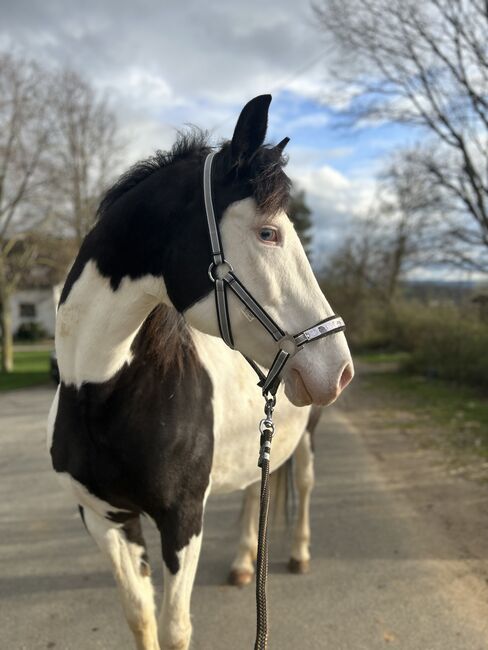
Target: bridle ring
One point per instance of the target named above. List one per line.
(219, 272)
(289, 345)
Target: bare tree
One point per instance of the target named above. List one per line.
(84, 154)
(24, 138)
(398, 235)
(424, 63)
(408, 214)
(57, 152)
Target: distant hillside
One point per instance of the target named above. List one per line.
(455, 291)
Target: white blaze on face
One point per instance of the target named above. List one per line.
(281, 280)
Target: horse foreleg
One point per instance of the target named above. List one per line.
(242, 568)
(181, 539)
(304, 481)
(123, 545)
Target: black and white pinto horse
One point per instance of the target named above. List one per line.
(153, 411)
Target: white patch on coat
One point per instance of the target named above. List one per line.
(95, 326)
(282, 281)
(135, 586)
(175, 626)
(237, 409)
(51, 420)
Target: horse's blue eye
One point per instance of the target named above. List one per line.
(268, 234)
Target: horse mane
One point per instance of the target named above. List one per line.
(188, 143)
(270, 185)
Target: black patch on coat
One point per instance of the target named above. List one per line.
(153, 220)
(132, 530)
(143, 441)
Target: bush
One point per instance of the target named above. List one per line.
(373, 326)
(448, 343)
(31, 331)
(442, 339)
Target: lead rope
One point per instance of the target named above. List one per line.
(266, 428)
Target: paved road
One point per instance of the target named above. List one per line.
(379, 578)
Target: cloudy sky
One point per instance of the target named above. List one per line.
(166, 63)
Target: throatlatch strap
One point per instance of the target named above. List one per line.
(257, 370)
(223, 312)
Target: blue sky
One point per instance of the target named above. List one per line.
(314, 125)
(167, 64)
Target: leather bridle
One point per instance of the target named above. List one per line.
(222, 275)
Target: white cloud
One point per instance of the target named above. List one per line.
(336, 202)
(177, 62)
(142, 137)
(308, 120)
(327, 188)
(166, 64)
(214, 50)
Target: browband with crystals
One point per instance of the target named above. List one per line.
(222, 275)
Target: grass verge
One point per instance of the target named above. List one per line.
(31, 368)
(437, 413)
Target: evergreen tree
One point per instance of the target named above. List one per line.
(300, 214)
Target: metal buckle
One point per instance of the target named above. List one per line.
(216, 268)
(289, 345)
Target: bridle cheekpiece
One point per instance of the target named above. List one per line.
(222, 274)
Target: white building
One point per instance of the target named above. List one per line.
(35, 305)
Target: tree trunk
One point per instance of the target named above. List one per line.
(7, 352)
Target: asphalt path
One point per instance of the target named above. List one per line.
(379, 577)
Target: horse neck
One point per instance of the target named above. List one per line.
(96, 326)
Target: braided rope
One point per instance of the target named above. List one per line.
(262, 561)
(267, 431)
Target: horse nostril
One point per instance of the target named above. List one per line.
(346, 377)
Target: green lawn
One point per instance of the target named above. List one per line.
(456, 415)
(31, 368)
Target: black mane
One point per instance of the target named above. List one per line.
(270, 185)
(193, 142)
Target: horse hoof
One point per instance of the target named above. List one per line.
(299, 567)
(240, 577)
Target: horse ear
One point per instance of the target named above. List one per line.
(281, 145)
(250, 129)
